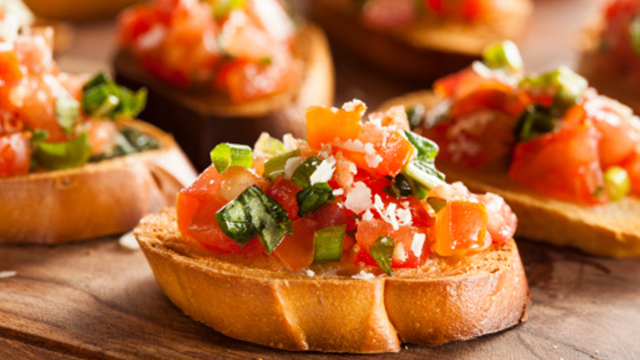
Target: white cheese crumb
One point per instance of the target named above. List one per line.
(290, 142)
(358, 198)
(399, 254)
(404, 217)
(417, 244)
(353, 145)
(368, 215)
(291, 165)
(324, 171)
(371, 157)
(338, 192)
(355, 105)
(8, 274)
(309, 272)
(334, 109)
(152, 38)
(129, 242)
(363, 275)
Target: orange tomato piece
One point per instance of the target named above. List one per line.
(10, 72)
(15, 154)
(296, 252)
(461, 226)
(324, 125)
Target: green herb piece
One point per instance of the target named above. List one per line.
(382, 252)
(269, 145)
(275, 166)
(103, 98)
(422, 168)
(265, 61)
(302, 175)
(436, 204)
(63, 155)
(535, 121)
(254, 213)
(503, 55)
(415, 115)
(634, 35)
(399, 187)
(617, 182)
(226, 154)
(67, 113)
(222, 8)
(568, 85)
(128, 141)
(313, 198)
(327, 244)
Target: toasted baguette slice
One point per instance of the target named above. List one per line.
(260, 302)
(199, 121)
(96, 199)
(606, 230)
(425, 50)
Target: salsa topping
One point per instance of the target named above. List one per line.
(51, 120)
(559, 136)
(362, 192)
(243, 48)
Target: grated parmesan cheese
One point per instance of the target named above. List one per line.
(309, 272)
(368, 215)
(371, 157)
(399, 254)
(291, 165)
(390, 215)
(338, 192)
(417, 244)
(358, 198)
(355, 105)
(324, 172)
(363, 275)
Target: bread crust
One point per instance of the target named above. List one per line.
(423, 51)
(96, 199)
(265, 304)
(605, 230)
(213, 118)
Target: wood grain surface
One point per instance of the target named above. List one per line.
(97, 300)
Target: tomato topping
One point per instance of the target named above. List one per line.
(15, 154)
(203, 190)
(461, 226)
(284, 191)
(10, 72)
(324, 125)
(295, 251)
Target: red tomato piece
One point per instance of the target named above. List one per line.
(252, 80)
(203, 190)
(284, 191)
(461, 226)
(564, 164)
(138, 20)
(385, 14)
(15, 154)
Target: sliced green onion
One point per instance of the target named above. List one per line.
(617, 182)
(502, 55)
(535, 121)
(63, 155)
(99, 79)
(67, 113)
(313, 198)
(225, 155)
(634, 34)
(269, 145)
(569, 88)
(436, 204)
(415, 115)
(382, 252)
(426, 150)
(254, 213)
(100, 102)
(327, 244)
(302, 175)
(422, 170)
(276, 165)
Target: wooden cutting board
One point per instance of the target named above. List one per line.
(98, 300)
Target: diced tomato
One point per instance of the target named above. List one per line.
(461, 226)
(564, 164)
(502, 222)
(617, 8)
(324, 125)
(15, 154)
(254, 81)
(10, 72)
(137, 20)
(386, 14)
(203, 190)
(474, 9)
(236, 180)
(296, 252)
(333, 214)
(102, 135)
(284, 191)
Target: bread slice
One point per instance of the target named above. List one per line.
(425, 50)
(200, 121)
(258, 301)
(96, 199)
(606, 230)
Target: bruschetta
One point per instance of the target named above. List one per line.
(566, 159)
(213, 68)
(73, 163)
(610, 51)
(420, 40)
(348, 242)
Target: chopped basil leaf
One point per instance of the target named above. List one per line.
(327, 244)
(226, 154)
(275, 166)
(63, 155)
(254, 213)
(67, 113)
(422, 169)
(415, 115)
(313, 197)
(399, 187)
(103, 98)
(436, 203)
(426, 150)
(128, 141)
(634, 34)
(535, 121)
(502, 55)
(99, 79)
(302, 175)
(382, 252)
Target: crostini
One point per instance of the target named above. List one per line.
(73, 163)
(348, 242)
(420, 40)
(610, 47)
(224, 71)
(566, 159)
